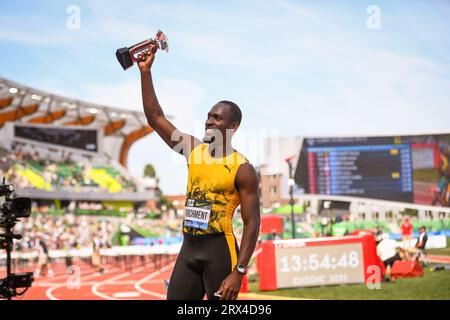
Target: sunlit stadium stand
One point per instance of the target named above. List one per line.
(44, 167)
(70, 158)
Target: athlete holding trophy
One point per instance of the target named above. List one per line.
(135, 53)
(219, 180)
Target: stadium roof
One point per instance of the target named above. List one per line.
(121, 128)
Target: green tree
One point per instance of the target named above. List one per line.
(149, 171)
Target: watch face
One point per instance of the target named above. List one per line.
(240, 269)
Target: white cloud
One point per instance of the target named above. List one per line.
(51, 86)
(153, 150)
(29, 31)
(125, 95)
(178, 98)
(310, 74)
(299, 10)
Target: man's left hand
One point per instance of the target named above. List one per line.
(230, 287)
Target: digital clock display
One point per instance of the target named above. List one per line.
(319, 265)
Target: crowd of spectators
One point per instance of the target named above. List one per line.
(60, 170)
(165, 227)
(63, 232)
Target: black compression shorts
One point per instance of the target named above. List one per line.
(203, 263)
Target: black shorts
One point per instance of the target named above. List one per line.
(391, 260)
(203, 263)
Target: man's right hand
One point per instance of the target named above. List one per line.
(147, 59)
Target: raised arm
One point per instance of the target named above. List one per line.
(247, 183)
(180, 142)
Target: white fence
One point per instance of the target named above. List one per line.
(106, 252)
(372, 209)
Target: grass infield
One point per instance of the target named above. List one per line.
(433, 285)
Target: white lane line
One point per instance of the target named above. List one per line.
(91, 283)
(53, 287)
(95, 287)
(138, 270)
(49, 292)
(89, 272)
(50, 279)
(131, 294)
(138, 284)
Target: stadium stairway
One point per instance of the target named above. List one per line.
(35, 179)
(104, 179)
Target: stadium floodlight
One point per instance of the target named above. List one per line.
(69, 105)
(93, 110)
(291, 183)
(36, 97)
(113, 114)
(13, 90)
(127, 56)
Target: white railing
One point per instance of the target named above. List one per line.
(373, 209)
(117, 251)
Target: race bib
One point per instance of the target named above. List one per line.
(197, 214)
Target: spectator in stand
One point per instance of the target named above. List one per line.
(407, 229)
(48, 164)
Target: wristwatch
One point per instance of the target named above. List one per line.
(241, 269)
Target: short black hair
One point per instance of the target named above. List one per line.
(236, 114)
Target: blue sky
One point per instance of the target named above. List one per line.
(295, 67)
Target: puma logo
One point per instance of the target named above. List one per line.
(228, 168)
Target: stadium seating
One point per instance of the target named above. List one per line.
(305, 230)
(4, 102)
(29, 171)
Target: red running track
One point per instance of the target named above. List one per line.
(145, 282)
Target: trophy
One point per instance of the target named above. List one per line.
(127, 56)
